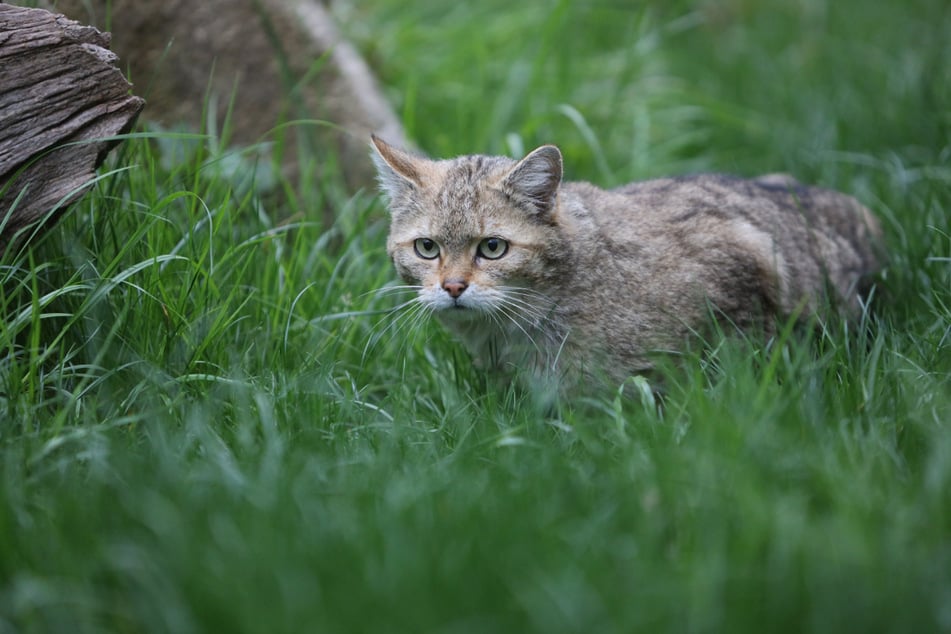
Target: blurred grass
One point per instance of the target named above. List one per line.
(196, 437)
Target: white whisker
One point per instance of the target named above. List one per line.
(536, 307)
(392, 290)
(513, 316)
(513, 323)
(529, 311)
(394, 319)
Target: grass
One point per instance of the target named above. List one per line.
(196, 436)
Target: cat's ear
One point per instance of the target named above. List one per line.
(397, 170)
(533, 182)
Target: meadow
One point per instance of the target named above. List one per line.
(211, 422)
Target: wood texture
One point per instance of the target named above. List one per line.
(62, 98)
(248, 66)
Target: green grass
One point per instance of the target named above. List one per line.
(196, 437)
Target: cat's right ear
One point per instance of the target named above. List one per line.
(397, 170)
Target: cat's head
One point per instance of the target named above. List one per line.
(473, 231)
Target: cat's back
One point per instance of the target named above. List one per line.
(690, 226)
(772, 201)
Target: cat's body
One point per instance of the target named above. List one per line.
(553, 278)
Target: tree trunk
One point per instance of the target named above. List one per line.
(62, 98)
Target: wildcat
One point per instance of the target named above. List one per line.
(561, 278)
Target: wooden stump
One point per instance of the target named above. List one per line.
(254, 64)
(61, 99)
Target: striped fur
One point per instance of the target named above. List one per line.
(601, 281)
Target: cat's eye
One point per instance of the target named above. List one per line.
(493, 248)
(426, 248)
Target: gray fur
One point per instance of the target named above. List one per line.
(601, 280)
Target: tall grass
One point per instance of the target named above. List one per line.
(211, 421)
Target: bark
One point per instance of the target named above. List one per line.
(62, 100)
(247, 66)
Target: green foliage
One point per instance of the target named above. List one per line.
(211, 421)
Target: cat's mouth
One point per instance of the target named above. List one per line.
(465, 304)
(460, 308)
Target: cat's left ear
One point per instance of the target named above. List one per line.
(533, 182)
(397, 170)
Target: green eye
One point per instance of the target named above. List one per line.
(426, 248)
(493, 248)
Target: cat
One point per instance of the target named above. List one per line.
(564, 280)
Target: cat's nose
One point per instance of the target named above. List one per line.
(454, 287)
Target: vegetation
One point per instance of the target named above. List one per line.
(211, 422)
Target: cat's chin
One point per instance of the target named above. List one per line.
(459, 312)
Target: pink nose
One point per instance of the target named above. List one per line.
(454, 287)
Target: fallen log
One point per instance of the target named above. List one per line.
(249, 66)
(62, 102)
